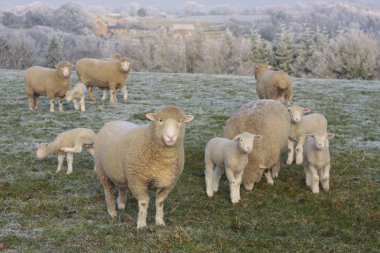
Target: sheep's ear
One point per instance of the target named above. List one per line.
(188, 118)
(151, 116)
(310, 135)
(306, 110)
(257, 66)
(236, 138)
(116, 56)
(330, 136)
(258, 137)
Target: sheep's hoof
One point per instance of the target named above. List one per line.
(142, 225)
(160, 222)
(234, 201)
(289, 162)
(68, 172)
(274, 174)
(210, 193)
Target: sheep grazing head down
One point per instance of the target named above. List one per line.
(296, 112)
(168, 124)
(64, 68)
(69, 95)
(320, 140)
(246, 141)
(124, 62)
(42, 150)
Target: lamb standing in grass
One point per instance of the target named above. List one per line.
(70, 142)
(143, 158)
(106, 74)
(40, 81)
(270, 119)
(77, 95)
(273, 84)
(301, 126)
(230, 156)
(316, 160)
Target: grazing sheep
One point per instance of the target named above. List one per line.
(230, 156)
(105, 74)
(300, 126)
(273, 84)
(70, 142)
(77, 95)
(40, 81)
(143, 158)
(316, 160)
(270, 119)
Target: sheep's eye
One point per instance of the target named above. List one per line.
(240, 140)
(161, 120)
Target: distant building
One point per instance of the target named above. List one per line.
(182, 30)
(118, 30)
(101, 27)
(104, 30)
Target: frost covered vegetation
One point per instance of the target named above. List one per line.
(42, 211)
(323, 40)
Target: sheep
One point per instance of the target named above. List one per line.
(142, 158)
(316, 160)
(77, 95)
(106, 74)
(230, 156)
(300, 126)
(70, 142)
(273, 84)
(270, 119)
(40, 81)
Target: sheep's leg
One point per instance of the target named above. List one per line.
(308, 177)
(52, 105)
(238, 183)
(314, 179)
(299, 150)
(31, 102)
(232, 182)
(161, 195)
(108, 187)
(61, 157)
(122, 198)
(276, 169)
(82, 104)
(70, 158)
(143, 202)
(104, 97)
(218, 172)
(35, 102)
(125, 93)
(290, 152)
(268, 176)
(91, 93)
(209, 173)
(113, 95)
(75, 102)
(91, 151)
(61, 104)
(325, 178)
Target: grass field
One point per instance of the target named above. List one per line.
(46, 212)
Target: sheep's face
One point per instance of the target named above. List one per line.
(64, 68)
(296, 112)
(169, 125)
(246, 141)
(42, 150)
(320, 140)
(69, 96)
(124, 64)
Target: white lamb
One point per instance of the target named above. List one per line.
(316, 160)
(70, 142)
(230, 156)
(77, 95)
(301, 126)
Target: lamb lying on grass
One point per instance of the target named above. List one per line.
(48, 82)
(273, 84)
(301, 126)
(316, 160)
(70, 142)
(77, 95)
(142, 158)
(230, 156)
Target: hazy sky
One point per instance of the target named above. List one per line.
(177, 3)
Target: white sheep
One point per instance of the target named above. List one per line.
(270, 119)
(301, 125)
(143, 158)
(77, 95)
(316, 160)
(230, 156)
(70, 142)
(40, 81)
(105, 74)
(273, 84)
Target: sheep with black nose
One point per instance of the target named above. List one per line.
(142, 158)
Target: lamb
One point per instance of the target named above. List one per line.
(301, 126)
(230, 156)
(70, 142)
(142, 158)
(316, 160)
(270, 119)
(273, 84)
(77, 95)
(106, 74)
(40, 81)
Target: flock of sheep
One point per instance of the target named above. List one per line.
(151, 156)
